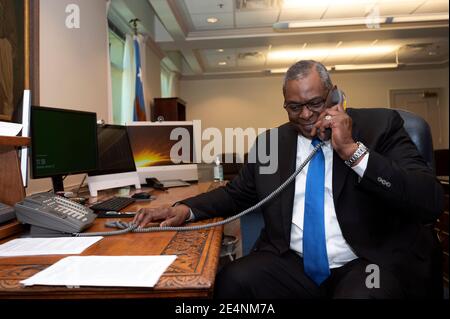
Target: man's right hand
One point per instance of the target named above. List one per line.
(168, 216)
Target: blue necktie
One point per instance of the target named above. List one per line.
(315, 259)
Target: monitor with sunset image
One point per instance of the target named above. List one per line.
(157, 155)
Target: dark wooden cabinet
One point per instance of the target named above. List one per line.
(169, 109)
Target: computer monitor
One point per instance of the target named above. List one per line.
(152, 145)
(116, 166)
(63, 142)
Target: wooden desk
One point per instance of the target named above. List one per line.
(191, 275)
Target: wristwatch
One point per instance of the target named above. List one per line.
(360, 151)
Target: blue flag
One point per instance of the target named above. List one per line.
(139, 104)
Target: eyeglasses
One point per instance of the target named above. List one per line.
(315, 105)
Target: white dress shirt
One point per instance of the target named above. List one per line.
(338, 250)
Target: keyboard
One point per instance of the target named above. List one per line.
(113, 204)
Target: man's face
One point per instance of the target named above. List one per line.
(311, 95)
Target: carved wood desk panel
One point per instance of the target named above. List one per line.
(191, 274)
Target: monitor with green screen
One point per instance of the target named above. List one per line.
(63, 142)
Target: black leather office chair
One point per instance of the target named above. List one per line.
(420, 133)
(418, 130)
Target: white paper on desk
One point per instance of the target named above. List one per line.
(9, 129)
(105, 271)
(47, 246)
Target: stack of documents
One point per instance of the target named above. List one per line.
(76, 271)
(105, 271)
(9, 129)
(47, 246)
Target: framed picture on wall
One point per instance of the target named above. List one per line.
(18, 53)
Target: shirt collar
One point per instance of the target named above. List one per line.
(306, 142)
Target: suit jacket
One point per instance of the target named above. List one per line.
(384, 216)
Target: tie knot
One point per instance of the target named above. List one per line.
(315, 141)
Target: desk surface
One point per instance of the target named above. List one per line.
(191, 275)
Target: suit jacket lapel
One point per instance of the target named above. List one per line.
(287, 161)
(340, 173)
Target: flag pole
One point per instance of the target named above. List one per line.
(139, 113)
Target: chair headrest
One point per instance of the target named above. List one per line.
(420, 133)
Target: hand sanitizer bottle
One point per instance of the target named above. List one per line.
(218, 170)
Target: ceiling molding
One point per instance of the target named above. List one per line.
(249, 41)
(171, 19)
(170, 65)
(117, 19)
(192, 60)
(269, 32)
(178, 16)
(155, 48)
(266, 73)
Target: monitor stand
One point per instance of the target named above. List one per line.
(58, 184)
(100, 182)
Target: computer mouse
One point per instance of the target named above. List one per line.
(141, 195)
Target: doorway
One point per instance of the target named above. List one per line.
(425, 103)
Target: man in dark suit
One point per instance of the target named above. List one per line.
(354, 224)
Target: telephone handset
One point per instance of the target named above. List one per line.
(336, 96)
(52, 215)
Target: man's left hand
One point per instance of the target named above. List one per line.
(340, 124)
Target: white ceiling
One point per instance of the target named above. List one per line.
(251, 13)
(248, 42)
